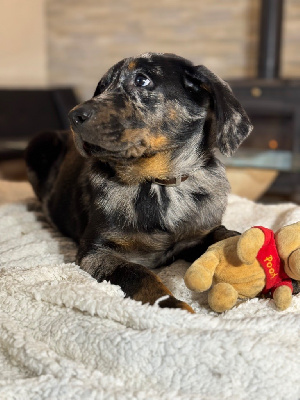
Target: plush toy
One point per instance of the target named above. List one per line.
(247, 265)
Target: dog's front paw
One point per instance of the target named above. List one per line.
(172, 302)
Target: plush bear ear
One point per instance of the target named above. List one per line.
(288, 245)
(231, 121)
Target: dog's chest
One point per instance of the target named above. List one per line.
(149, 224)
(148, 208)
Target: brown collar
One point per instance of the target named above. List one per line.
(176, 181)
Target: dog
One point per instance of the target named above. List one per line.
(136, 182)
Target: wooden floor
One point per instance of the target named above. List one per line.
(13, 170)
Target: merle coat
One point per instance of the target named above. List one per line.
(136, 182)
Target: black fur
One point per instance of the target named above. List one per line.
(153, 117)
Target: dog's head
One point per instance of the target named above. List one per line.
(154, 103)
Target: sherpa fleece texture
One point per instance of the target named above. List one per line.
(65, 336)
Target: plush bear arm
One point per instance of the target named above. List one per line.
(249, 244)
(200, 274)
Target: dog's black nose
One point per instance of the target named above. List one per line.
(80, 115)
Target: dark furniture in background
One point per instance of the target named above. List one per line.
(24, 113)
(273, 105)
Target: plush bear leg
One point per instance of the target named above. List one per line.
(222, 297)
(282, 297)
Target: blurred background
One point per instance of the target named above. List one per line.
(53, 53)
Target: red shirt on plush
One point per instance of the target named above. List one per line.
(269, 259)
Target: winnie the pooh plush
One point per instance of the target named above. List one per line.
(244, 266)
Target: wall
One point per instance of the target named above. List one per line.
(291, 40)
(23, 47)
(73, 42)
(86, 38)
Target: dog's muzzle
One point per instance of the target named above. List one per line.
(80, 115)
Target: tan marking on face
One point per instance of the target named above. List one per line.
(145, 137)
(131, 65)
(158, 142)
(107, 111)
(138, 142)
(134, 135)
(141, 140)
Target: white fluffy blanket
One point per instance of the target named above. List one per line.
(65, 336)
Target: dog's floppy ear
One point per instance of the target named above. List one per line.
(232, 122)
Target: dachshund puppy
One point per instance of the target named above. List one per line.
(136, 182)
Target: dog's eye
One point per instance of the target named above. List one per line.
(142, 81)
(100, 88)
